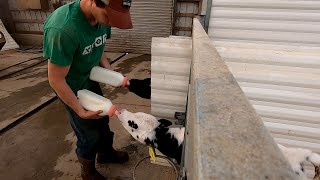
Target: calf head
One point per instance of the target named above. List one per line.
(156, 133)
(139, 125)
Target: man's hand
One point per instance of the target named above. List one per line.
(90, 114)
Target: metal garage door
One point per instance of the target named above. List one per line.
(151, 18)
(273, 49)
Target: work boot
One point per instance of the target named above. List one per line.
(113, 156)
(88, 170)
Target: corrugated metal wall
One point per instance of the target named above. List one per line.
(27, 21)
(170, 71)
(273, 49)
(150, 19)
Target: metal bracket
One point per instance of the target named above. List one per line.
(181, 117)
(182, 174)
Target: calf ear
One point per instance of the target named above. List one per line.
(164, 122)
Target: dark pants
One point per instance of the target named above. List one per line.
(94, 135)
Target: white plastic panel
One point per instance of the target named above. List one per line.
(170, 71)
(290, 22)
(273, 50)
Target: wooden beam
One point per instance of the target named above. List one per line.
(39, 21)
(30, 32)
(174, 17)
(29, 39)
(6, 17)
(183, 28)
(192, 15)
(15, 9)
(194, 1)
(199, 7)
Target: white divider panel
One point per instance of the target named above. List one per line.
(170, 71)
(284, 88)
(287, 22)
(273, 50)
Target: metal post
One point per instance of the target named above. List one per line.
(208, 13)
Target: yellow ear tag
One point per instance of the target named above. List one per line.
(152, 154)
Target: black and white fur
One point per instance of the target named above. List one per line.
(156, 133)
(298, 157)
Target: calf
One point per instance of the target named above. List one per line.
(156, 133)
(297, 157)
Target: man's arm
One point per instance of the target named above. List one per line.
(56, 77)
(104, 61)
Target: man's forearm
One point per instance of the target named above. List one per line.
(66, 95)
(104, 61)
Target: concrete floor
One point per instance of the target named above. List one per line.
(43, 145)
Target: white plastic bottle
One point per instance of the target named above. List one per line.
(107, 76)
(94, 102)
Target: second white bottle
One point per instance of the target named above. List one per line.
(94, 102)
(107, 76)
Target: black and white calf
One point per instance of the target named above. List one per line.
(156, 133)
(298, 157)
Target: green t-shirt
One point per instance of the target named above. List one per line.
(70, 40)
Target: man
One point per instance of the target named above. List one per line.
(74, 38)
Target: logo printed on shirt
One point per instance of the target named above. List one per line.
(100, 40)
(105, 38)
(87, 50)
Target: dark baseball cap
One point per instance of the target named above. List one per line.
(119, 13)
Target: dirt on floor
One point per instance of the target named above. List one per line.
(43, 145)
